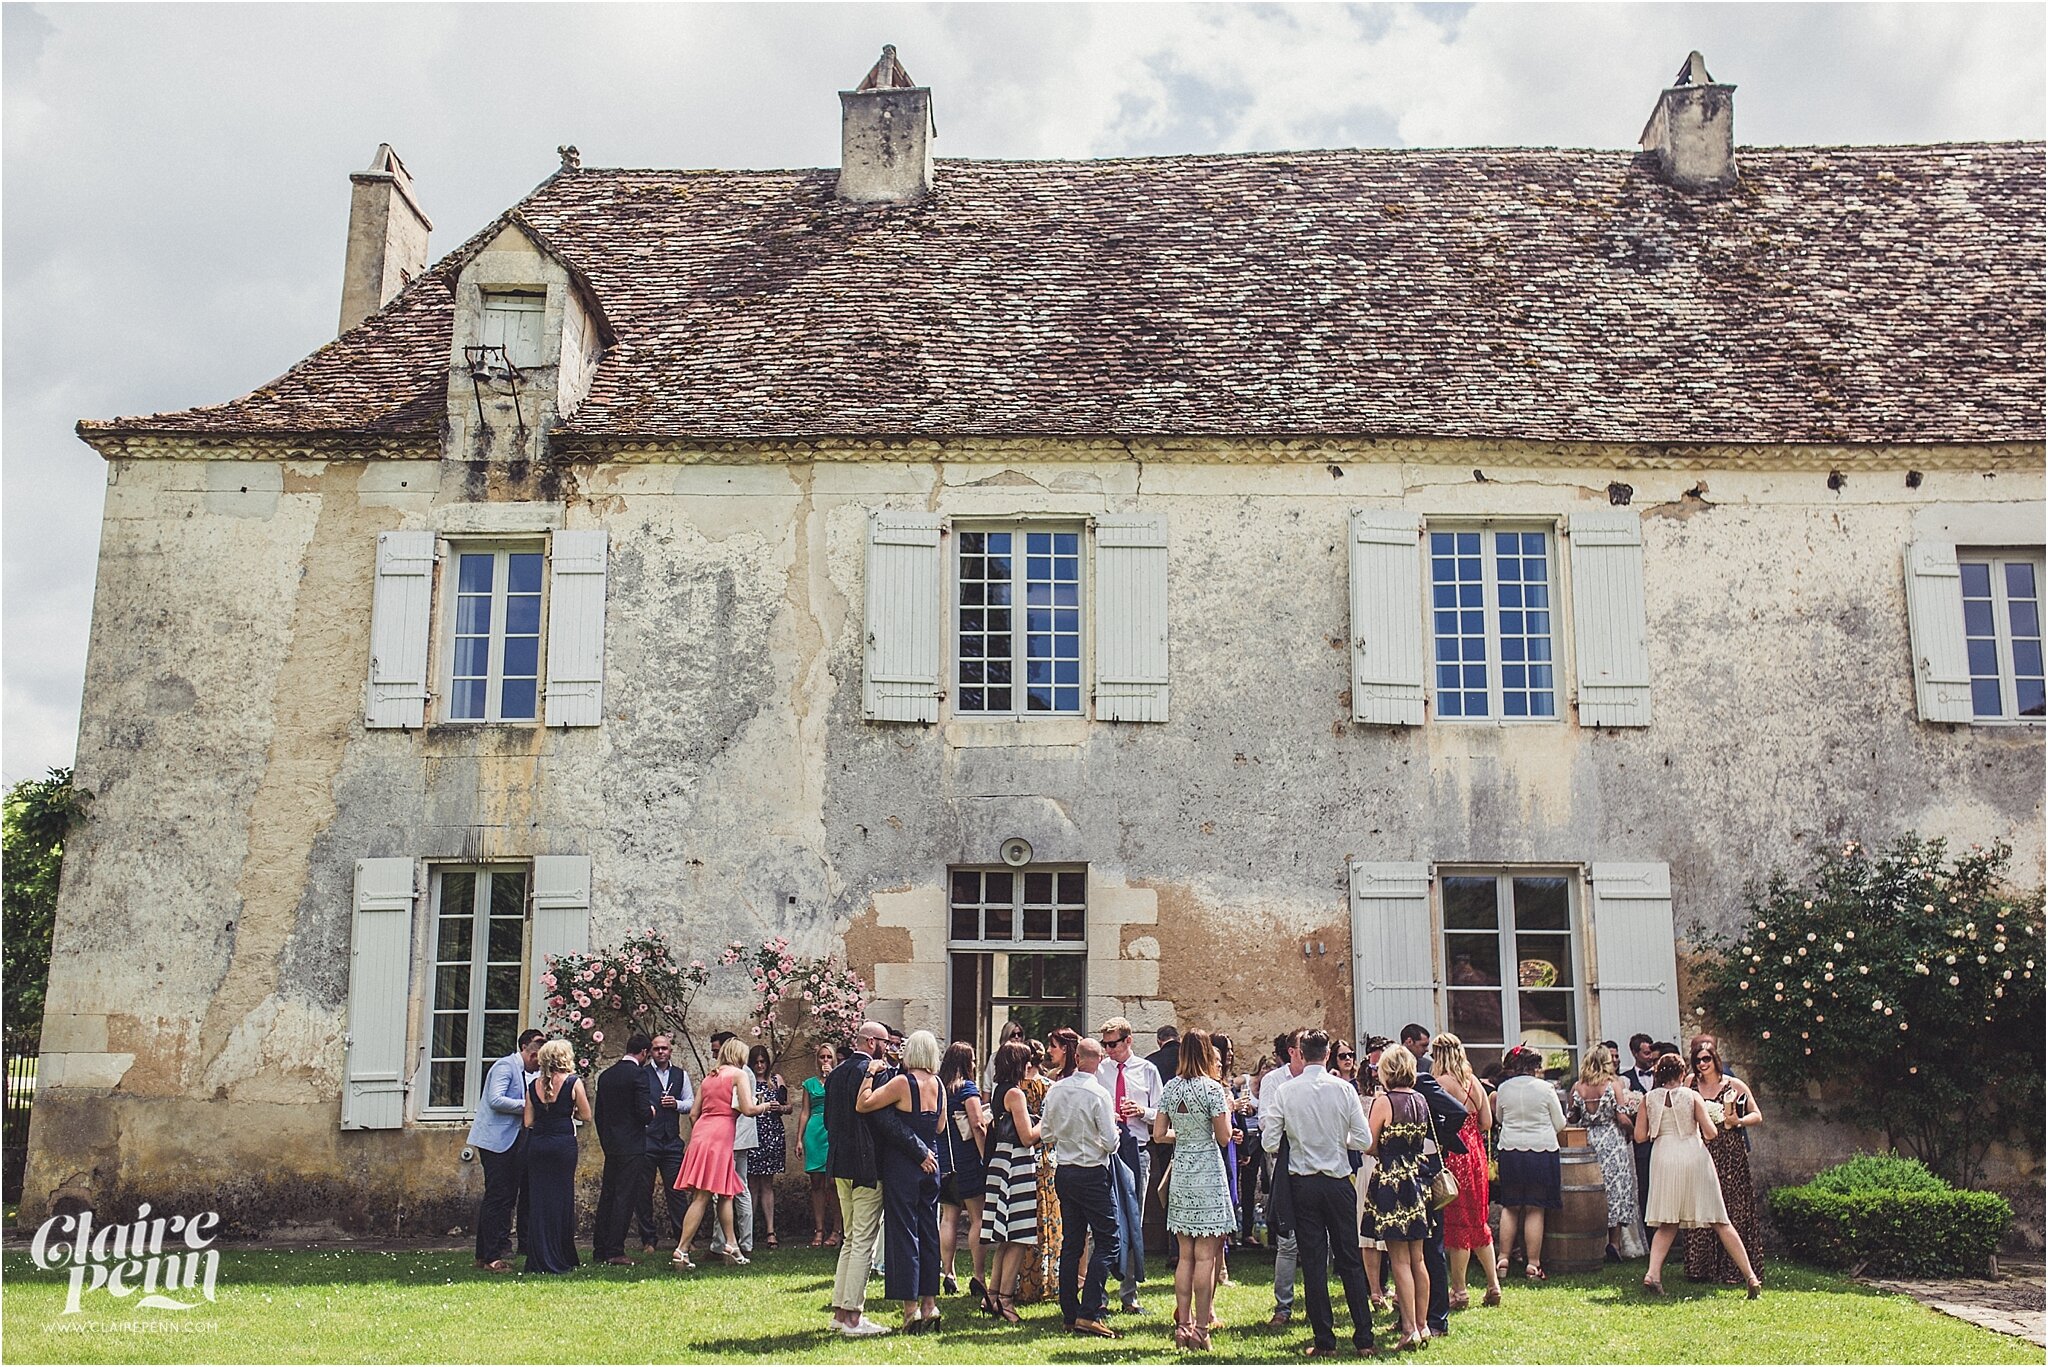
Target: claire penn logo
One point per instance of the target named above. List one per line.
(147, 1257)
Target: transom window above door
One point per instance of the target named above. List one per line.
(1019, 906)
(1017, 621)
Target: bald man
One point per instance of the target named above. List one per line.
(1080, 1122)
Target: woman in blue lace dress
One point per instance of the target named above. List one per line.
(1194, 1116)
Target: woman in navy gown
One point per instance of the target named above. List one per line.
(554, 1102)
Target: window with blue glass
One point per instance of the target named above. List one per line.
(1017, 636)
(493, 662)
(1490, 615)
(2002, 631)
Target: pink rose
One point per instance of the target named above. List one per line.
(597, 1037)
(588, 1023)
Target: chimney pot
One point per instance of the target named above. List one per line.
(1692, 129)
(387, 237)
(885, 136)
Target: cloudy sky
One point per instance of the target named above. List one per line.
(174, 189)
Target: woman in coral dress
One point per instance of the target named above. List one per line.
(1466, 1229)
(708, 1170)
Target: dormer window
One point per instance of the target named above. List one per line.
(512, 320)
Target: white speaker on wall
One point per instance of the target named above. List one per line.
(1016, 851)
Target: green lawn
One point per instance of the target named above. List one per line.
(434, 1307)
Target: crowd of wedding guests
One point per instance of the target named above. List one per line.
(1378, 1165)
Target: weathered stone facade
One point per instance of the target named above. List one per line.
(734, 791)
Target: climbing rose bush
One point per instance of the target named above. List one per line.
(798, 998)
(1905, 981)
(606, 995)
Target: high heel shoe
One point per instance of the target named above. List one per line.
(682, 1261)
(1652, 1288)
(1756, 1289)
(1006, 1309)
(734, 1258)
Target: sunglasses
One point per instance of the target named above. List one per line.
(1346, 1056)
(1109, 1043)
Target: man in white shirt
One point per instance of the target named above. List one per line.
(1133, 1086)
(1286, 1248)
(1079, 1121)
(1323, 1120)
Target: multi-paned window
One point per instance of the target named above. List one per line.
(1511, 964)
(1019, 939)
(1005, 664)
(493, 655)
(475, 992)
(2002, 632)
(1490, 612)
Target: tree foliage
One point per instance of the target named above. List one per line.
(1908, 985)
(38, 814)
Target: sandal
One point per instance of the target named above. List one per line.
(817, 1241)
(832, 1240)
(770, 1242)
(1500, 1266)
(1461, 1300)
(682, 1261)
(1652, 1288)
(1492, 1296)
(1534, 1272)
(1006, 1309)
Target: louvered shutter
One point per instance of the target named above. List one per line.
(400, 608)
(1934, 619)
(1609, 620)
(1130, 617)
(561, 919)
(373, 1078)
(575, 684)
(1637, 949)
(1386, 617)
(1393, 973)
(901, 678)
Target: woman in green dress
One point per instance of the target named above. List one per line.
(814, 1146)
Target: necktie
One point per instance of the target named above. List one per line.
(1119, 1089)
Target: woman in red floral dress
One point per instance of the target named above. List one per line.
(1465, 1226)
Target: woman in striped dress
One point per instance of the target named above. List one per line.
(1009, 1216)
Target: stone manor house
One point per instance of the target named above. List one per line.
(1241, 590)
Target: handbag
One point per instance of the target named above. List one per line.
(1443, 1189)
(1006, 1124)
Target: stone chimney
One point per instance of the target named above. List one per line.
(387, 237)
(885, 136)
(1692, 130)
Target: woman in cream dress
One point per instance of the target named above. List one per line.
(1685, 1191)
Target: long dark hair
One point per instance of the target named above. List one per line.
(1070, 1044)
(1009, 1067)
(958, 1063)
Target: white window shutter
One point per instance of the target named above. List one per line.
(1609, 620)
(575, 683)
(1387, 661)
(1393, 973)
(901, 678)
(373, 1072)
(1130, 617)
(561, 918)
(1934, 619)
(1637, 949)
(399, 612)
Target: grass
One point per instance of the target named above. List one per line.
(435, 1307)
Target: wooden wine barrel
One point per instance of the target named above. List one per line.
(1575, 1238)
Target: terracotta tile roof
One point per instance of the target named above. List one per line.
(1839, 295)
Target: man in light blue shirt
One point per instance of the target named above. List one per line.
(498, 1134)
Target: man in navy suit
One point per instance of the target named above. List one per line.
(670, 1094)
(624, 1111)
(1446, 1117)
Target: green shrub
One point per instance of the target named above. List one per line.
(1878, 1172)
(1914, 1232)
